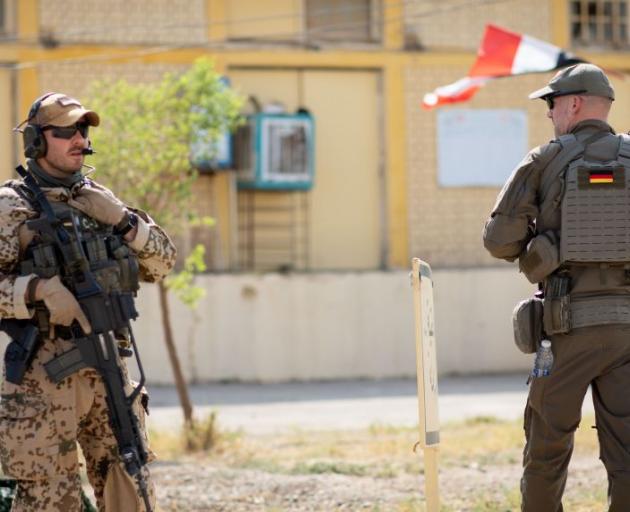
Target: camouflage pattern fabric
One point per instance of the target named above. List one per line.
(40, 426)
(7, 493)
(40, 422)
(156, 252)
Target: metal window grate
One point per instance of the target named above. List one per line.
(599, 23)
(273, 230)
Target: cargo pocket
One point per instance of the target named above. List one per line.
(29, 449)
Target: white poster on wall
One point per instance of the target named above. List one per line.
(479, 148)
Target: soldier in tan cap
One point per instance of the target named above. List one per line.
(42, 422)
(565, 215)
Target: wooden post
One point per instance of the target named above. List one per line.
(426, 371)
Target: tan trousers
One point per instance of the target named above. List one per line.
(597, 356)
(40, 425)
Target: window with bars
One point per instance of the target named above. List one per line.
(599, 23)
(343, 20)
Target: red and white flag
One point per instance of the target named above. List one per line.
(502, 53)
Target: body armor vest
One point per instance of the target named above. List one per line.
(595, 210)
(113, 264)
(594, 223)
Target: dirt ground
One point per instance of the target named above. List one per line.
(204, 487)
(372, 470)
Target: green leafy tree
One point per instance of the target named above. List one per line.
(145, 137)
(143, 155)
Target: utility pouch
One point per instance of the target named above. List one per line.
(20, 352)
(541, 257)
(527, 320)
(557, 305)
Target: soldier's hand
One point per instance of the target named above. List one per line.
(63, 306)
(99, 203)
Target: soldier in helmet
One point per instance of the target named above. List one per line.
(41, 422)
(565, 215)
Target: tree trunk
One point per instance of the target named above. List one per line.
(182, 390)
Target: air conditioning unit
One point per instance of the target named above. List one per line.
(275, 152)
(207, 156)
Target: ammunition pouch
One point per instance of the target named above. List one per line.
(541, 257)
(556, 304)
(557, 315)
(527, 320)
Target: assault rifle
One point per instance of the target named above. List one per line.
(108, 313)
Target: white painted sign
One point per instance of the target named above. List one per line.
(479, 148)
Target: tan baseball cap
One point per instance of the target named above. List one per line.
(585, 79)
(56, 109)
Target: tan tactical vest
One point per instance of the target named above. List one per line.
(113, 264)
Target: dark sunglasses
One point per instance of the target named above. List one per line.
(67, 132)
(550, 98)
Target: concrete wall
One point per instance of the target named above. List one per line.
(276, 327)
(320, 326)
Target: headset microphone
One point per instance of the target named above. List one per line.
(88, 150)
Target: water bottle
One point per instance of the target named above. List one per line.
(544, 360)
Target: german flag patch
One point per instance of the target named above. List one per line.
(600, 177)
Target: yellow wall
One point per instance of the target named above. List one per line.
(440, 25)
(347, 198)
(446, 222)
(621, 106)
(420, 218)
(6, 123)
(279, 19)
(344, 206)
(123, 21)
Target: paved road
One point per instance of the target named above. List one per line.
(267, 408)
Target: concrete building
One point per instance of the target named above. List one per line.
(324, 292)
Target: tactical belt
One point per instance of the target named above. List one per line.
(600, 311)
(562, 314)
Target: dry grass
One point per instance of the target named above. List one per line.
(479, 460)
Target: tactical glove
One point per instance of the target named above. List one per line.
(63, 306)
(99, 203)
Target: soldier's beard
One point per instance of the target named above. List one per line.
(59, 168)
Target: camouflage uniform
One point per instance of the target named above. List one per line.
(40, 422)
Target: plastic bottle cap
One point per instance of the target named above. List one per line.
(545, 343)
